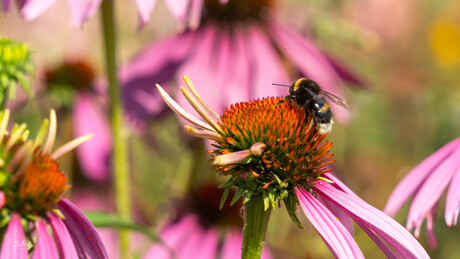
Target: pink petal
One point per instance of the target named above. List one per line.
(2, 199)
(337, 238)
(416, 177)
(431, 190)
(145, 8)
(339, 213)
(377, 240)
(156, 64)
(310, 61)
(6, 5)
(201, 243)
(14, 244)
(178, 9)
(453, 199)
(82, 10)
(175, 234)
(63, 238)
(345, 73)
(93, 155)
(158, 251)
(34, 8)
(381, 224)
(430, 220)
(196, 7)
(84, 235)
(45, 246)
(231, 246)
(268, 67)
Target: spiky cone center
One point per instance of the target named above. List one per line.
(236, 11)
(295, 154)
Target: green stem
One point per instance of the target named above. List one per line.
(120, 164)
(255, 227)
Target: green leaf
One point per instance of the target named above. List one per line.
(224, 198)
(107, 220)
(291, 204)
(237, 196)
(272, 197)
(266, 200)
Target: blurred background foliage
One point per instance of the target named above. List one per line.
(408, 51)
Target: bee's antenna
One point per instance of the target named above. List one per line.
(281, 85)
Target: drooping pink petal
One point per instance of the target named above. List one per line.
(157, 64)
(310, 61)
(63, 238)
(178, 9)
(158, 251)
(345, 73)
(202, 65)
(430, 220)
(268, 68)
(335, 235)
(93, 155)
(14, 243)
(82, 10)
(145, 8)
(174, 235)
(6, 5)
(34, 8)
(231, 246)
(380, 223)
(196, 7)
(412, 181)
(201, 243)
(45, 246)
(377, 240)
(453, 199)
(2, 199)
(339, 213)
(431, 190)
(84, 235)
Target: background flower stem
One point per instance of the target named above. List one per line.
(120, 164)
(255, 227)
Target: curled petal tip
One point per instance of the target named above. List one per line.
(258, 148)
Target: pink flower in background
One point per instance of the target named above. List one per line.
(71, 86)
(34, 188)
(201, 229)
(236, 54)
(427, 182)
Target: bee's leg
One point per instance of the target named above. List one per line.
(280, 102)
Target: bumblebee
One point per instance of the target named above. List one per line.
(308, 94)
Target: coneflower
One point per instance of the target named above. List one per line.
(32, 191)
(273, 152)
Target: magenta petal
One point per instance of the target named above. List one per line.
(34, 8)
(200, 244)
(178, 9)
(94, 154)
(145, 8)
(83, 233)
(82, 10)
(6, 5)
(63, 238)
(431, 190)
(158, 251)
(156, 65)
(196, 7)
(2, 199)
(14, 244)
(345, 73)
(412, 181)
(231, 247)
(175, 234)
(45, 246)
(377, 240)
(268, 67)
(339, 213)
(334, 234)
(452, 199)
(380, 223)
(430, 220)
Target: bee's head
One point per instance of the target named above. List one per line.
(305, 83)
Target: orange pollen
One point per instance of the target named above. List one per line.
(42, 184)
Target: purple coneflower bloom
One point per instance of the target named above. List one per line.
(427, 182)
(272, 148)
(34, 188)
(235, 54)
(201, 229)
(77, 77)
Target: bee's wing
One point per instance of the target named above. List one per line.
(334, 98)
